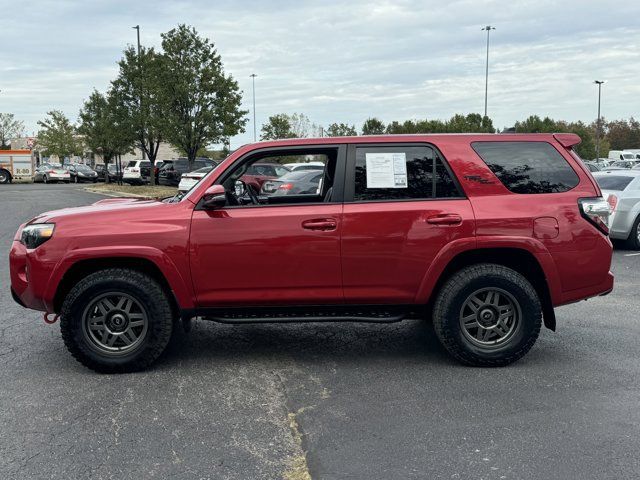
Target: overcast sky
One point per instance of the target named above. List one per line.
(343, 61)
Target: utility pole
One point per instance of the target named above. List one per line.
(488, 28)
(599, 83)
(137, 29)
(253, 79)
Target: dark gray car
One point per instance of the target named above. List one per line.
(302, 182)
(621, 188)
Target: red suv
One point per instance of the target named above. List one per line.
(485, 234)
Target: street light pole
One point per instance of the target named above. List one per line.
(253, 79)
(599, 83)
(144, 156)
(488, 28)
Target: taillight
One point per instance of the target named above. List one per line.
(286, 186)
(596, 210)
(613, 203)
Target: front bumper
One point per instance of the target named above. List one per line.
(29, 279)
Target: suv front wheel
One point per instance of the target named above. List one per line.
(487, 315)
(116, 320)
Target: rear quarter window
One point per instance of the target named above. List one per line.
(617, 182)
(528, 167)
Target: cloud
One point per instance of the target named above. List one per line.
(344, 61)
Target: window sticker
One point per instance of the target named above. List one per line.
(386, 170)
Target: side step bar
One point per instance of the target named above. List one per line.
(338, 313)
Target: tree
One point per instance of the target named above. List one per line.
(58, 136)
(106, 126)
(278, 127)
(341, 130)
(140, 94)
(9, 128)
(201, 102)
(623, 134)
(372, 126)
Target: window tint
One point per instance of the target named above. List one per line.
(614, 182)
(415, 172)
(527, 167)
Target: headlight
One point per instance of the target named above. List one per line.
(36, 234)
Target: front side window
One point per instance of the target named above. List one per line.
(528, 167)
(401, 173)
(266, 179)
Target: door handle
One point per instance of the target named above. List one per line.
(445, 219)
(323, 224)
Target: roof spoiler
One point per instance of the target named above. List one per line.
(567, 140)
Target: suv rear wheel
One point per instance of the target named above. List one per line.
(116, 320)
(487, 315)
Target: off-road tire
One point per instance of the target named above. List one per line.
(146, 291)
(455, 292)
(633, 242)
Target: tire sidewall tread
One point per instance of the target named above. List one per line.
(457, 289)
(146, 290)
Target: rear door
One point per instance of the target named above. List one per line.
(402, 206)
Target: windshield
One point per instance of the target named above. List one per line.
(83, 168)
(614, 182)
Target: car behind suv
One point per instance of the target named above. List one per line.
(170, 172)
(484, 234)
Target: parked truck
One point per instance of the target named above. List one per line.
(15, 164)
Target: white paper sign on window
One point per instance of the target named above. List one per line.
(386, 170)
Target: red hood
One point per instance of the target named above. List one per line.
(102, 207)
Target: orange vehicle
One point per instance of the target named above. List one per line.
(15, 164)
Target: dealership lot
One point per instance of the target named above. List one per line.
(354, 401)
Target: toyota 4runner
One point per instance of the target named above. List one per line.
(484, 234)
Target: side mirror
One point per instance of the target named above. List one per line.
(214, 197)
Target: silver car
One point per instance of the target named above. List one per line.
(621, 188)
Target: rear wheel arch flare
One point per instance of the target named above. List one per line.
(517, 259)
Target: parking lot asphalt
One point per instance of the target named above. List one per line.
(352, 401)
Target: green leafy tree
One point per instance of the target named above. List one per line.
(9, 128)
(201, 102)
(277, 127)
(341, 130)
(57, 136)
(106, 127)
(373, 126)
(623, 134)
(535, 124)
(141, 97)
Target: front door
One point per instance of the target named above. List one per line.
(402, 206)
(276, 248)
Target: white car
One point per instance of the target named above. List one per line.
(188, 180)
(294, 167)
(137, 172)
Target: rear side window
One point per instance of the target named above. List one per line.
(401, 173)
(528, 167)
(614, 182)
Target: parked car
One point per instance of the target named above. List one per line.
(51, 173)
(624, 164)
(260, 172)
(616, 155)
(298, 182)
(171, 170)
(593, 167)
(484, 234)
(112, 168)
(622, 191)
(137, 172)
(79, 172)
(188, 180)
(305, 166)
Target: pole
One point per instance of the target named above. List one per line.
(253, 80)
(488, 28)
(599, 83)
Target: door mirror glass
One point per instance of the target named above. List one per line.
(214, 197)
